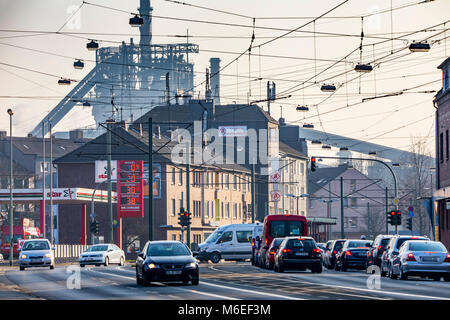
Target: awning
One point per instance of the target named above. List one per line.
(320, 220)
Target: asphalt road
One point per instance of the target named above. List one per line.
(228, 281)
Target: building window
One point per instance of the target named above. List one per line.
(173, 175)
(234, 182)
(302, 168)
(354, 202)
(227, 210)
(206, 179)
(446, 144)
(180, 177)
(173, 208)
(227, 181)
(352, 184)
(207, 209)
(222, 210)
(174, 237)
(235, 211)
(441, 147)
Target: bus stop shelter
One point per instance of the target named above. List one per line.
(75, 196)
(314, 225)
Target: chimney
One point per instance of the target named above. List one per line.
(215, 79)
(76, 135)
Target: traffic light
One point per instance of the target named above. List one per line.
(95, 227)
(409, 224)
(390, 217)
(181, 217)
(313, 164)
(187, 217)
(398, 218)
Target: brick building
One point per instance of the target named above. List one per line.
(442, 193)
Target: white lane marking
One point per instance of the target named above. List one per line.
(378, 291)
(251, 291)
(182, 289)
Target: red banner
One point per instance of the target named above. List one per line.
(130, 183)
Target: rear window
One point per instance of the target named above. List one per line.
(277, 243)
(286, 228)
(402, 240)
(356, 244)
(296, 243)
(426, 246)
(384, 242)
(338, 245)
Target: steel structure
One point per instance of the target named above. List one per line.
(130, 79)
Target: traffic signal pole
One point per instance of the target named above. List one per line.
(188, 198)
(150, 179)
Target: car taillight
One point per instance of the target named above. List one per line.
(334, 251)
(316, 250)
(447, 258)
(369, 253)
(286, 250)
(266, 241)
(410, 257)
(253, 242)
(379, 247)
(272, 251)
(348, 253)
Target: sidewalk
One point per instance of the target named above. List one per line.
(10, 291)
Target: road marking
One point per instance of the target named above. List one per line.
(251, 291)
(183, 289)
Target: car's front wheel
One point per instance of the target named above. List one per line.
(21, 268)
(52, 267)
(215, 258)
(403, 275)
(122, 261)
(138, 279)
(195, 281)
(106, 261)
(146, 279)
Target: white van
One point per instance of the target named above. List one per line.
(228, 242)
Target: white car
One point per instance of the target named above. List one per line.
(36, 253)
(102, 254)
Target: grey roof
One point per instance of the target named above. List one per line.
(18, 170)
(284, 148)
(322, 176)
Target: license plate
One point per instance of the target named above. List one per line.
(173, 272)
(429, 259)
(301, 254)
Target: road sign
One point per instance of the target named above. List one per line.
(395, 201)
(275, 176)
(275, 195)
(411, 212)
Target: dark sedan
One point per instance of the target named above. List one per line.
(166, 261)
(298, 253)
(353, 255)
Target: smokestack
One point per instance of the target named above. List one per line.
(145, 10)
(208, 86)
(215, 79)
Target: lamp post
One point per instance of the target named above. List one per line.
(11, 217)
(303, 195)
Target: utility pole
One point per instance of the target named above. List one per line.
(368, 220)
(51, 184)
(188, 199)
(150, 179)
(43, 180)
(342, 209)
(108, 168)
(253, 192)
(11, 210)
(329, 209)
(387, 210)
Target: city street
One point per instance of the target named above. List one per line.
(224, 281)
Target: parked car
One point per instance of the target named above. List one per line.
(376, 250)
(392, 251)
(36, 253)
(353, 255)
(166, 261)
(270, 255)
(298, 253)
(256, 243)
(330, 256)
(422, 258)
(102, 254)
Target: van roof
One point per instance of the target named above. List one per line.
(238, 225)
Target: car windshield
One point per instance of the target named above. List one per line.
(286, 228)
(307, 244)
(427, 246)
(35, 245)
(167, 249)
(402, 240)
(214, 236)
(97, 248)
(338, 245)
(356, 244)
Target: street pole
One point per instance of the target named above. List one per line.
(108, 168)
(51, 184)
(150, 179)
(342, 209)
(387, 210)
(11, 211)
(368, 220)
(43, 229)
(253, 193)
(329, 210)
(188, 198)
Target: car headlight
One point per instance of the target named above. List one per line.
(24, 256)
(48, 255)
(151, 266)
(191, 265)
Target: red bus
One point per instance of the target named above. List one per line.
(280, 226)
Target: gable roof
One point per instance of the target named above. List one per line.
(284, 148)
(322, 176)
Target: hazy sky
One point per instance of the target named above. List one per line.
(32, 95)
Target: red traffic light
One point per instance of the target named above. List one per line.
(313, 159)
(398, 212)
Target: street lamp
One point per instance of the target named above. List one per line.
(303, 195)
(11, 217)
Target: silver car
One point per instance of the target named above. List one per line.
(102, 254)
(36, 253)
(422, 258)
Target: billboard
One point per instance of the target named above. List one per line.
(101, 172)
(130, 196)
(156, 185)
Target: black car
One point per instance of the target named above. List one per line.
(329, 258)
(376, 251)
(298, 253)
(165, 261)
(352, 255)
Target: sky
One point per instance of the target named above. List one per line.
(299, 62)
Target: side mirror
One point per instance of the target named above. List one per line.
(195, 254)
(141, 255)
